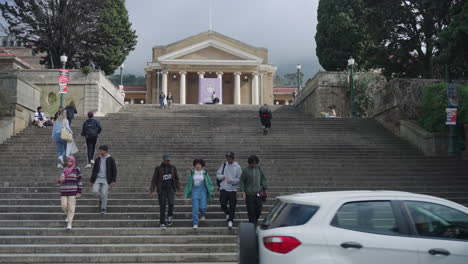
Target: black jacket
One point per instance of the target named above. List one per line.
(156, 182)
(96, 123)
(71, 111)
(111, 170)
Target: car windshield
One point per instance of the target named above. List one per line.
(285, 214)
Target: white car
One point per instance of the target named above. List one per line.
(358, 227)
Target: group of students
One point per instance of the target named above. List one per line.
(41, 120)
(163, 99)
(165, 181)
(200, 189)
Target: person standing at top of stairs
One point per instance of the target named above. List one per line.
(265, 118)
(166, 182)
(162, 98)
(104, 176)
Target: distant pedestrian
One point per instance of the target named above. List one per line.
(253, 184)
(56, 137)
(294, 95)
(265, 118)
(71, 111)
(40, 119)
(229, 176)
(58, 113)
(70, 189)
(162, 98)
(166, 183)
(91, 130)
(200, 188)
(170, 100)
(214, 98)
(104, 176)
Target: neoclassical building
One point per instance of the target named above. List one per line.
(238, 72)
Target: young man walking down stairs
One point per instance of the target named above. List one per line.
(253, 183)
(166, 182)
(229, 176)
(104, 176)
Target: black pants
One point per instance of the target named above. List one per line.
(166, 197)
(226, 197)
(254, 208)
(266, 122)
(91, 146)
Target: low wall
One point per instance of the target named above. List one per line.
(25, 98)
(431, 144)
(323, 90)
(90, 92)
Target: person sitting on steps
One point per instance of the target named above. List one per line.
(331, 113)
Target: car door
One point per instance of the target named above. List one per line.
(369, 232)
(440, 231)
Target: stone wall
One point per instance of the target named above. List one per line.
(25, 98)
(323, 90)
(90, 92)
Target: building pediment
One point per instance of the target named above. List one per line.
(210, 52)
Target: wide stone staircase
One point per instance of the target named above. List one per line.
(301, 154)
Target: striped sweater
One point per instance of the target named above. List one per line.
(72, 183)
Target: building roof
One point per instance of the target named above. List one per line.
(134, 88)
(5, 54)
(284, 90)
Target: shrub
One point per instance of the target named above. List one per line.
(86, 70)
(433, 105)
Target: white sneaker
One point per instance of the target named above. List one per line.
(195, 226)
(66, 219)
(92, 161)
(227, 217)
(60, 166)
(203, 218)
(69, 226)
(230, 224)
(60, 158)
(88, 165)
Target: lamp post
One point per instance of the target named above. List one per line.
(298, 77)
(63, 59)
(121, 76)
(353, 101)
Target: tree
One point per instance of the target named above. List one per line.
(118, 33)
(128, 79)
(291, 78)
(341, 33)
(453, 42)
(84, 30)
(407, 32)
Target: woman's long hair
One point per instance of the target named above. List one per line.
(62, 116)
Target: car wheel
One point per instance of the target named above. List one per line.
(248, 244)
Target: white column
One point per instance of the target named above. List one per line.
(237, 90)
(220, 95)
(255, 89)
(164, 84)
(182, 87)
(201, 75)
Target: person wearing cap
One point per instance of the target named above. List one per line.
(166, 182)
(104, 176)
(228, 176)
(91, 130)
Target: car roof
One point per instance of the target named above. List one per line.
(319, 198)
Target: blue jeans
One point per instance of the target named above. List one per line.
(199, 202)
(61, 148)
(102, 190)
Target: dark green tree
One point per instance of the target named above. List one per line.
(341, 33)
(117, 32)
(81, 29)
(453, 42)
(128, 79)
(407, 32)
(290, 79)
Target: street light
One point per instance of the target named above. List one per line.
(298, 77)
(121, 76)
(63, 59)
(353, 103)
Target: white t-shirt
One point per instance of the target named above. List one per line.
(198, 178)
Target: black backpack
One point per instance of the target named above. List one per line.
(91, 128)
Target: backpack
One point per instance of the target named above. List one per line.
(218, 181)
(91, 129)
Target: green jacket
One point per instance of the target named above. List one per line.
(207, 181)
(252, 180)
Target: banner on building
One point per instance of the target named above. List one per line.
(64, 76)
(451, 116)
(206, 88)
(63, 88)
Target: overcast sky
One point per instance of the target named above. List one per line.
(285, 27)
